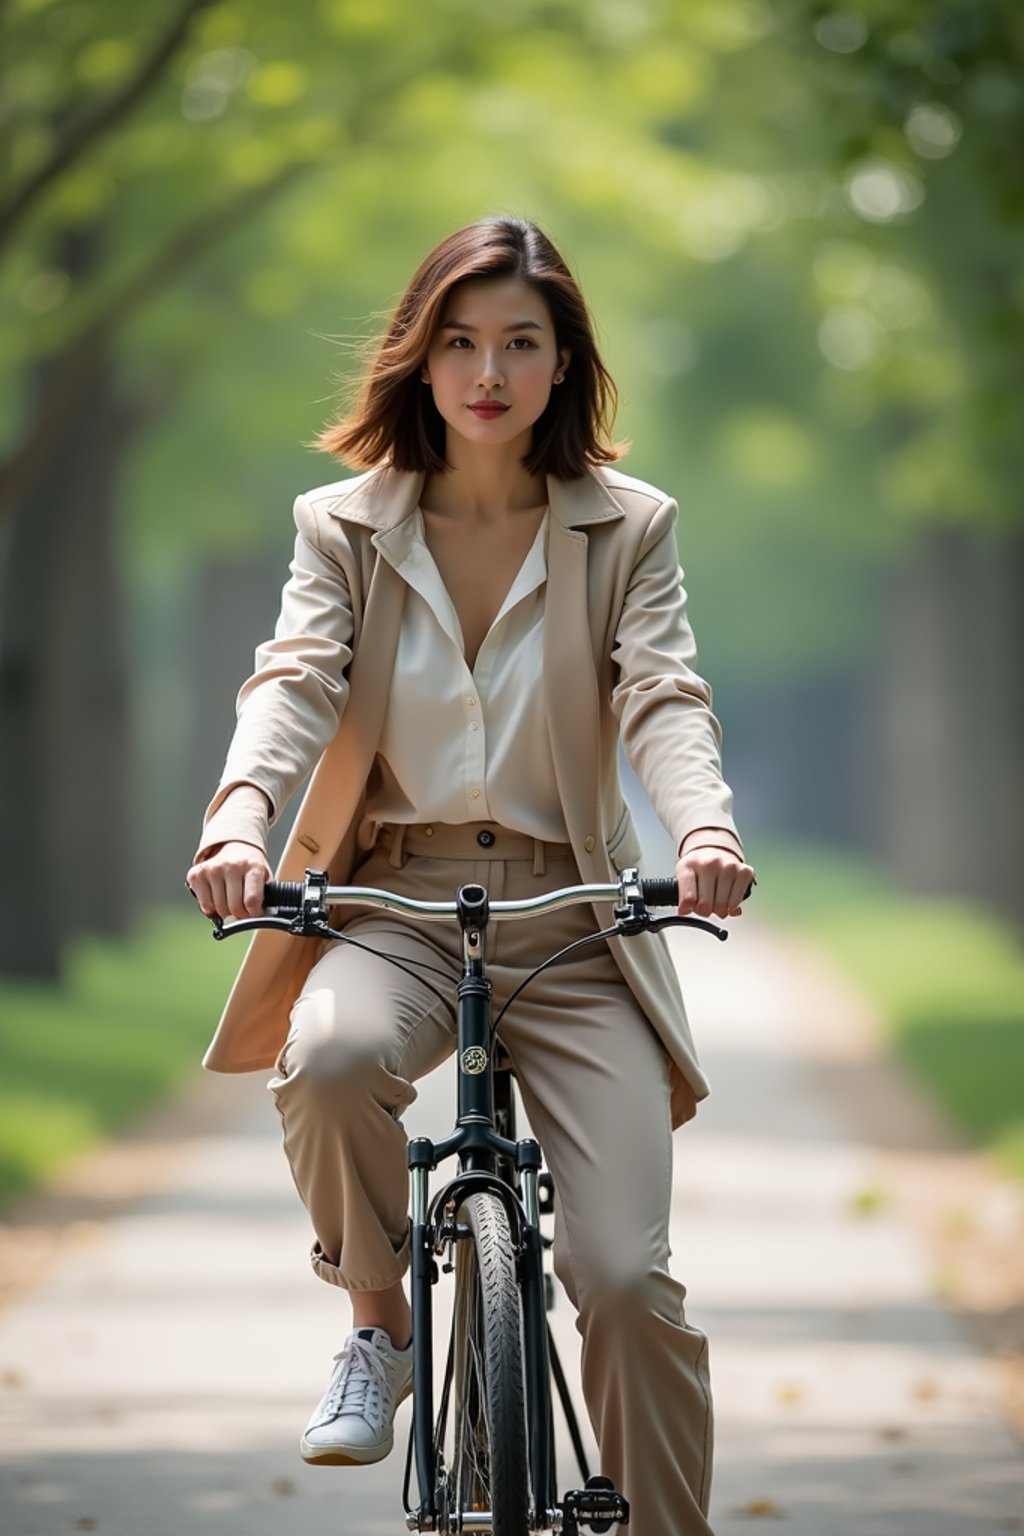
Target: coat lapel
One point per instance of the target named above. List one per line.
(570, 684)
(571, 699)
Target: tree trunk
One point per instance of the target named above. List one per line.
(29, 946)
(64, 758)
(92, 729)
(63, 712)
(952, 718)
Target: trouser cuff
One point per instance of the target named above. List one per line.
(333, 1274)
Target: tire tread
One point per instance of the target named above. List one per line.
(503, 1362)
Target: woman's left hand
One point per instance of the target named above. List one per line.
(712, 883)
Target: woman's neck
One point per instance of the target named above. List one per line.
(484, 483)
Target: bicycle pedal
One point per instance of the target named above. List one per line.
(598, 1505)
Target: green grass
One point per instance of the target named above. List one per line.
(127, 1026)
(946, 975)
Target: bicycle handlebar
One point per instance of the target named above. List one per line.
(299, 907)
(292, 896)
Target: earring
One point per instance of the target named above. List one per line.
(559, 378)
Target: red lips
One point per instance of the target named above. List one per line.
(489, 408)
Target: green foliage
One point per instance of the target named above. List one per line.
(85, 1059)
(799, 228)
(946, 977)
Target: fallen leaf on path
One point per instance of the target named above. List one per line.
(791, 1392)
(925, 1389)
(283, 1485)
(761, 1509)
(866, 1202)
(892, 1432)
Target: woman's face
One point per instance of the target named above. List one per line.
(495, 343)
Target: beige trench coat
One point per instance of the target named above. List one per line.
(618, 656)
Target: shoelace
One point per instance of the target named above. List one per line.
(359, 1381)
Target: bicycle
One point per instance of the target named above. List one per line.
(485, 1462)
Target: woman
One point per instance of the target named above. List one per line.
(468, 628)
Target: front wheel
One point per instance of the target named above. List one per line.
(485, 1455)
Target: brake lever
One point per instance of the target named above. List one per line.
(656, 923)
(643, 922)
(299, 926)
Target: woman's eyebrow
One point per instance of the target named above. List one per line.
(521, 325)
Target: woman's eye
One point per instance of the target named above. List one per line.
(519, 343)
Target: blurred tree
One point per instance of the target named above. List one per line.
(72, 134)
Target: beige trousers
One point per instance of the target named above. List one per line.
(594, 1081)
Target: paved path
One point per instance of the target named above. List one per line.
(157, 1383)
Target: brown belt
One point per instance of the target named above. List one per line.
(474, 840)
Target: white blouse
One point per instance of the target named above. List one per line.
(481, 711)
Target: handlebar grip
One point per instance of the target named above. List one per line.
(660, 893)
(283, 893)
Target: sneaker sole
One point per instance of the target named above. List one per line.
(350, 1455)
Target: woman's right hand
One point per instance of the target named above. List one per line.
(229, 882)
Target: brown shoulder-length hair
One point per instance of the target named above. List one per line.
(395, 420)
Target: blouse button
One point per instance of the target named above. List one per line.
(475, 793)
(588, 843)
(474, 726)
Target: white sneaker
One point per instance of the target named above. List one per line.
(354, 1422)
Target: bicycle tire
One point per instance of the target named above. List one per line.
(488, 1466)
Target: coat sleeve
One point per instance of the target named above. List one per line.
(290, 708)
(663, 706)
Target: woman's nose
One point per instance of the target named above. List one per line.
(491, 373)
